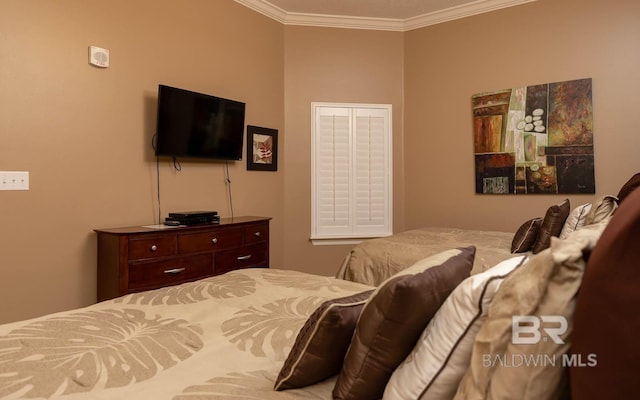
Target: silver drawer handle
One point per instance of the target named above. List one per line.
(174, 270)
(244, 257)
(214, 240)
(154, 247)
(257, 234)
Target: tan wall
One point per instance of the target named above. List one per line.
(84, 133)
(539, 42)
(333, 65)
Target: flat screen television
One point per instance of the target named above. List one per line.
(197, 125)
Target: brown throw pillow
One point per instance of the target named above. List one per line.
(606, 320)
(526, 236)
(321, 344)
(393, 319)
(628, 187)
(551, 225)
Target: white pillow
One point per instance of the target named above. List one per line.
(440, 358)
(576, 220)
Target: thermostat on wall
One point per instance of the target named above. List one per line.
(98, 56)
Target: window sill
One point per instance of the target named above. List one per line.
(340, 241)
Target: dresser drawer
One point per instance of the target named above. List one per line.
(151, 275)
(152, 247)
(209, 241)
(256, 255)
(256, 233)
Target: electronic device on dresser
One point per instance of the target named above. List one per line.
(190, 218)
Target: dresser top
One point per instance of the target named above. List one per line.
(163, 228)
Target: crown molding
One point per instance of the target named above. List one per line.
(387, 24)
(458, 12)
(265, 8)
(337, 21)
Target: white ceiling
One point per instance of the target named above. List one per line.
(397, 15)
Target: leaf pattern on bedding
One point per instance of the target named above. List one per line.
(270, 328)
(83, 351)
(254, 385)
(233, 285)
(307, 282)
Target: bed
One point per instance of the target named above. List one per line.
(374, 260)
(218, 338)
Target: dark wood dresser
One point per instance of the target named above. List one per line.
(133, 259)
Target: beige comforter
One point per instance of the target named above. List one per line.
(218, 338)
(374, 260)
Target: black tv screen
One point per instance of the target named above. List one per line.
(197, 125)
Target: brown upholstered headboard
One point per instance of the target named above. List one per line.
(606, 319)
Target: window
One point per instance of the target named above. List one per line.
(351, 185)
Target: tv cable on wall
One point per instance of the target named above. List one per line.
(228, 180)
(153, 144)
(178, 167)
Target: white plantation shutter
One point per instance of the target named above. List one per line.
(333, 170)
(351, 171)
(370, 171)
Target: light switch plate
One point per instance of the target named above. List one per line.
(14, 180)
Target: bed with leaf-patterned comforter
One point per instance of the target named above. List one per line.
(217, 338)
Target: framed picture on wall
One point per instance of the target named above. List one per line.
(262, 148)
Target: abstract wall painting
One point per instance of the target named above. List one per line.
(535, 139)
